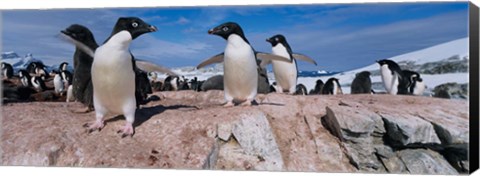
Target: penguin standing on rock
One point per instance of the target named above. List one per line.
(58, 83)
(361, 84)
(285, 72)
(83, 59)
(416, 86)
(332, 87)
(113, 74)
(301, 90)
(317, 90)
(81, 87)
(240, 64)
(392, 77)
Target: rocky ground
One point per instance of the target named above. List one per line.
(190, 130)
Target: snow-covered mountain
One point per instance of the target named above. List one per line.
(19, 62)
(443, 55)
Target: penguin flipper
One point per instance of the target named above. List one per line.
(215, 59)
(267, 58)
(78, 44)
(151, 67)
(304, 58)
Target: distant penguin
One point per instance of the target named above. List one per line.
(31, 67)
(392, 77)
(195, 84)
(41, 72)
(38, 83)
(416, 86)
(332, 87)
(285, 72)
(25, 78)
(239, 64)
(63, 66)
(113, 74)
(144, 88)
(263, 86)
(58, 82)
(318, 88)
(7, 70)
(70, 97)
(361, 84)
(67, 77)
(213, 83)
(273, 87)
(301, 90)
(171, 83)
(152, 76)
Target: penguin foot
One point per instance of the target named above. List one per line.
(246, 103)
(127, 130)
(82, 110)
(92, 126)
(229, 104)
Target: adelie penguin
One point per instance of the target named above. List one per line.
(392, 77)
(416, 86)
(81, 88)
(63, 66)
(25, 78)
(239, 64)
(332, 87)
(86, 45)
(285, 72)
(300, 89)
(58, 82)
(38, 83)
(361, 84)
(7, 70)
(113, 74)
(317, 90)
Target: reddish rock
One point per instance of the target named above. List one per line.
(191, 130)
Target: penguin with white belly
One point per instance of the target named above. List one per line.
(240, 64)
(285, 72)
(416, 85)
(113, 74)
(25, 78)
(7, 70)
(392, 77)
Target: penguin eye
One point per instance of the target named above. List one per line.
(276, 39)
(225, 28)
(134, 24)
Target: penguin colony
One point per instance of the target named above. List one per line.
(107, 78)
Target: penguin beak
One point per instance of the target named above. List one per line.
(212, 31)
(152, 28)
(268, 40)
(68, 33)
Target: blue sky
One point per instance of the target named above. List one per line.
(339, 37)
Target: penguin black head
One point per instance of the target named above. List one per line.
(80, 33)
(226, 29)
(276, 39)
(135, 26)
(386, 61)
(63, 66)
(23, 73)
